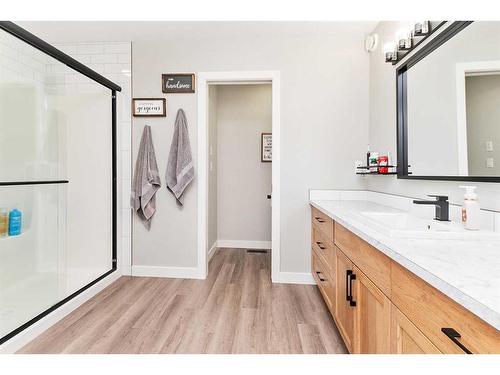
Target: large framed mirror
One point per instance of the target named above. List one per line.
(448, 106)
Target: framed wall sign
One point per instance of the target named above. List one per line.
(178, 83)
(149, 107)
(266, 147)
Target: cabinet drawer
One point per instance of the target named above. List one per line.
(323, 223)
(326, 283)
(431, 311)
(324, 248)
(371, 261)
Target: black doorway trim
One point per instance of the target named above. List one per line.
(43, 46)
(402, 107)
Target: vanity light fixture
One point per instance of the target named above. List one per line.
(390, 52)
(408, 38)
(404, 39)
(421, 28)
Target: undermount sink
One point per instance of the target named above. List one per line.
(404, 225)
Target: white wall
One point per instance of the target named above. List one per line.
(383, 134)
(324, 125)
(243, 181)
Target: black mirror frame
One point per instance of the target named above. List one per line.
(401, 107)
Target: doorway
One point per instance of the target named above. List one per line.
(234, 87)
(239, 178)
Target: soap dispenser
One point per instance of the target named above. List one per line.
(470, 209)
(15, 219)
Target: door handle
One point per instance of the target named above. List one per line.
(269, 196)
(453, 335)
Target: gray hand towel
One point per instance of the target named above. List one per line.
(146, 180)
(180, 170)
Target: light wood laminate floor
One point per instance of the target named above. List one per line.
(235, 310)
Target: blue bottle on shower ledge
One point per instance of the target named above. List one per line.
(15, 219)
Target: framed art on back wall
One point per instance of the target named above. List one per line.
(149, 107)
(266, 147)
(178, 83)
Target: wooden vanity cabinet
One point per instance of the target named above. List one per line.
(344, 311)
(381, 307)
(372, 316)
(323, 260)
(449, 326)
(406, 338)
(363, 311)
(324, 280)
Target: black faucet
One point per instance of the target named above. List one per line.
(442, 206)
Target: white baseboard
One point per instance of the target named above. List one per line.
(30, 333)
(294, 278)
(172, 272)
(126, 270)
(212, 251)
(244, 244)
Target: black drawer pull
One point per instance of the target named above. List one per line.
(453, 335)
(320, 220)
(347, 274)
(349, 277)
(320, 278)
(320, 245)
(352, 277)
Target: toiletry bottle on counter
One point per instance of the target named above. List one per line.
(15, 219)
(373, 162)
(470, 209)
(4, 222)
(383, 162)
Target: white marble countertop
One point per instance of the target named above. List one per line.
(466, 271)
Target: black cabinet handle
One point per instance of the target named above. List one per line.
(453, 335)
(347, 274)
(352, 277)
(320, 245)
(320, 220)
(320, 278)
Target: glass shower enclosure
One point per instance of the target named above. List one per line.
(58, 171)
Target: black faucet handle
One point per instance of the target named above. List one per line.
(439, 197)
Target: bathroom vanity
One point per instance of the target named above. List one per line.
(398, 293)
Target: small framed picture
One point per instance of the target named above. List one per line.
(266, 147)
(182, 83)
(149, 107)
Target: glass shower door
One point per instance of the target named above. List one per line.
(31, 264)
(58, 170)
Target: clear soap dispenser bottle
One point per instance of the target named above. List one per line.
(470, 209)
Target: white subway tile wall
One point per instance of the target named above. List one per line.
(497, 221)
(113, 61)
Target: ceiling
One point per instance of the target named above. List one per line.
(112, 31)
